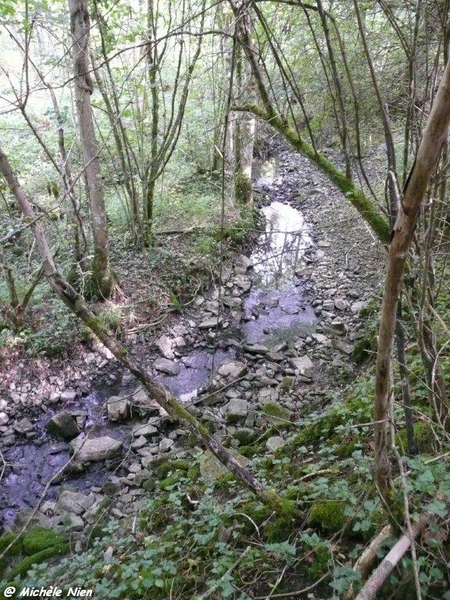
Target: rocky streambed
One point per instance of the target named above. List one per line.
(274, 337)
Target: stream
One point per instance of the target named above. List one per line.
(274, 310)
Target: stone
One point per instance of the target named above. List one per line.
(3, 418)
(336, 327)
(233, 369)
(23, 426)
(357, 306)
(236, 410)
(29, 518)
(68, 395)
(243, 282)
(256, 349)
(73, 502)
(68, 522)
(54, 397)
(118, 408)
(139, 442)
(165, 444)
(303, 364)
(212, 469)
(210, 323)
(95, 449)
(274, 442)
(164, 345)
(63, 425)
(145, 429)
(342, 346)
(167, 366)
(232, 302)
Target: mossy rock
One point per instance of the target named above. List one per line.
(39, 539)
(170, 481)
(276, 412)
(286, 384)
(329, 515)
(245, 436)
(171, 466)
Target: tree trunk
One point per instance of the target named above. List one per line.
(434, 135)
(102, 280)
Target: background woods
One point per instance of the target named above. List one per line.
(142, 148)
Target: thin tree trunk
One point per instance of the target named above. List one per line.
(102, 280)
(434, 135)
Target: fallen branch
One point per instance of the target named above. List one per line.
(382, 572)
(163, 397)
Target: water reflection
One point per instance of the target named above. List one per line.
(281, 247)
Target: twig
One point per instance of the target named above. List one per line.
(297, 592)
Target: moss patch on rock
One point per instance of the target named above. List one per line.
(328, 515)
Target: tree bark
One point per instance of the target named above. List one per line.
(102, 280)
(434, 135)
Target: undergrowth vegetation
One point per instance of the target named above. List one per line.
(197, 538)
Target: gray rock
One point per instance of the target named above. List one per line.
(167, 366)
(23, 426)
(95, 449)
(357, 306)
(342, 346)
(139, 442)
(256, 349)
(303, 364)
(68, 395)
(118, 408)
(274, 442)
(212, 469)
(165, 444)
(165, 347)
(73, 502)
(236, 410)
(336, 327)
(63, 425)
(145, 429)
(38, 519)
(233, 369)
(3, 418)
(210, 323)
(68, 522)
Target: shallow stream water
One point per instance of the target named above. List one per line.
(275, 310)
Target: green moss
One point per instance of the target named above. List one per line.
(320, 562)
(243, 188)
(364, 348)
(39, 539)
(424, 437)
(286, 384)
(245, 435)
(25, 565)
(275, 410)
(329, 515)
(279, 529)
(170, 466)
(170, 481)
